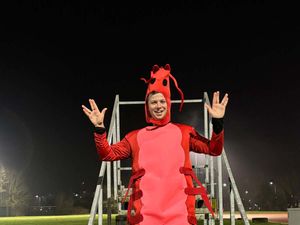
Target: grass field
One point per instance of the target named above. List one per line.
(73, 220)
(47, 220)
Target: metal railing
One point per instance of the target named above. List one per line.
(113, 136)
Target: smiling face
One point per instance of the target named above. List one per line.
(157, 106)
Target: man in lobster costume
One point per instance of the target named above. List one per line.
(162, 176)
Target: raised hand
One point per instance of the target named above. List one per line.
(95, 116)
(217, 110)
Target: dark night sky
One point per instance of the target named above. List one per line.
(54, 56)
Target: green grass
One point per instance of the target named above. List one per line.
(76, 220)
(48, 220)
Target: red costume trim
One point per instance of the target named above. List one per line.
(136, 175)
(202, 190)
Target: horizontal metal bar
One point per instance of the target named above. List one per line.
(124, 168)
(173, 101)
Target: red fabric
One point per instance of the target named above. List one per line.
(211, 147)
(135, 175)
(162, 181)
(108, 152)
(160, 82)
(194, 191)
(129, 148)
(192, 220)
(202, 190)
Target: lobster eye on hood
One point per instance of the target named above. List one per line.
(152, 80)
(165, 82)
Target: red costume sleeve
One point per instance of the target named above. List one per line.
(200, 144)
(106, 152)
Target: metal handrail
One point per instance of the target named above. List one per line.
(114, 136)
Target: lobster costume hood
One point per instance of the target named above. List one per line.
(160, 82)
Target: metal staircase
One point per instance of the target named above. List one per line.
(116, 190)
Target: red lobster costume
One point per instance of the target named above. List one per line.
(162, 175)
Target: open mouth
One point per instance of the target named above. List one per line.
(160, 112)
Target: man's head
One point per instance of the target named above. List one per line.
(157, 105)
(159, 111)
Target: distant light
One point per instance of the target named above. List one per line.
(271, 183)
(36, 196)
(246, 192)
(225, 185)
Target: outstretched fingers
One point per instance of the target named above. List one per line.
(93, 104)
(86, 110)
(216, 97)
(103, 111)
(225, 100)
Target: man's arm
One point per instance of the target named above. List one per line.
(214, 146)
(106, 152)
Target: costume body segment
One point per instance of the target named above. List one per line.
(163, 200)
(161, 151)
